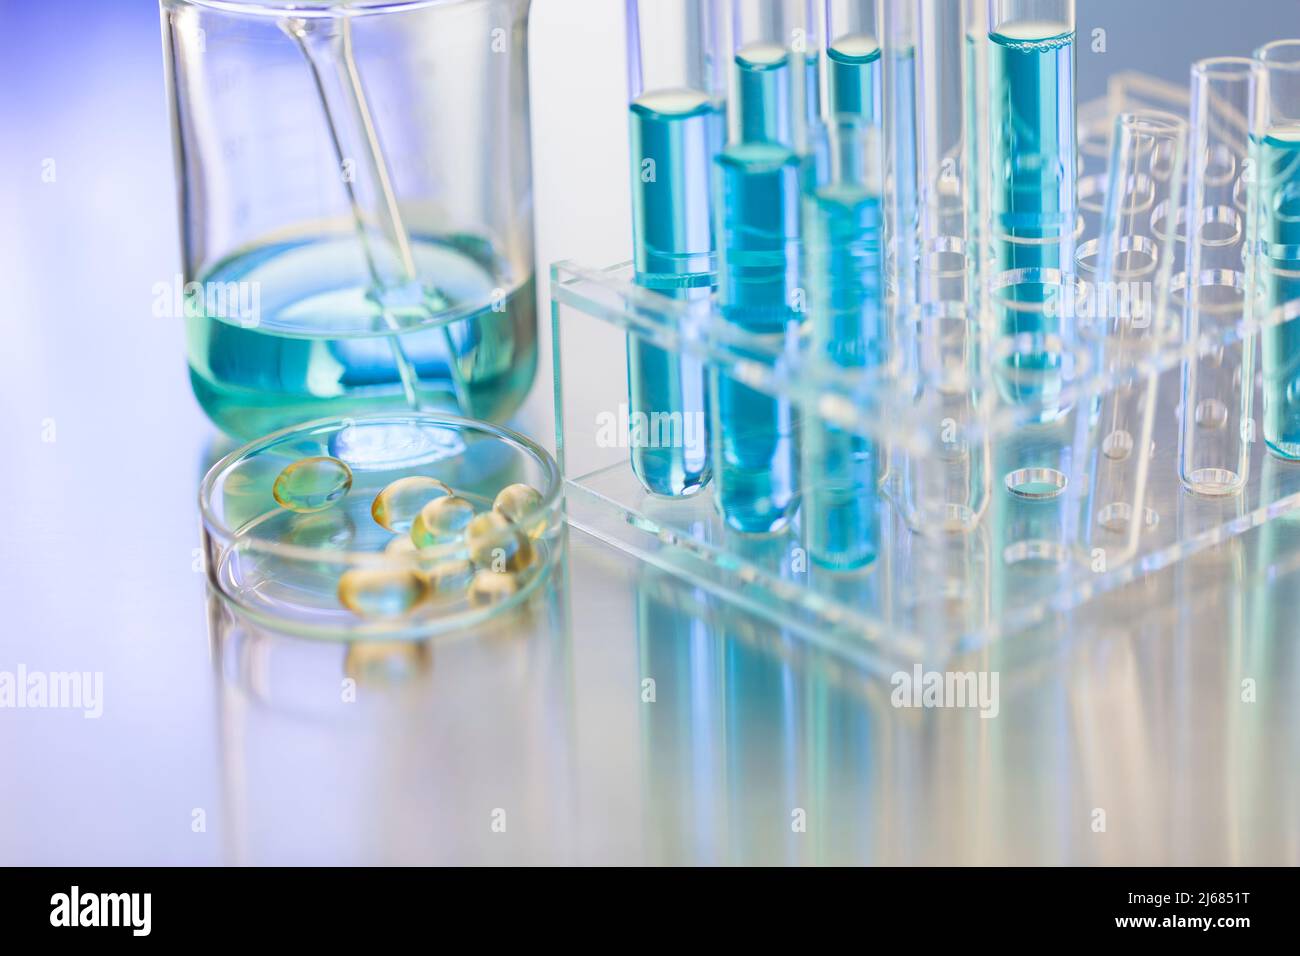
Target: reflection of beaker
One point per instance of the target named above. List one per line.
(355, 200)
(458, 751)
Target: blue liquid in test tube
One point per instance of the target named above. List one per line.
(853, 76)
(1032, 170)
(844, 239)
(1279, 167)
(758, 185)
(677, 127)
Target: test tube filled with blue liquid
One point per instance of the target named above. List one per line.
(758, 179)
(676, 79)
(1032, 171)
(844, 243)
(1277, 156)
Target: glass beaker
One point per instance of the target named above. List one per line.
(356, 206)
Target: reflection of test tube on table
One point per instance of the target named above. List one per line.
(676, 80)
(1032, 170)
(757, 194)
(1218, 285)
(1277, 158)
(1135, 259)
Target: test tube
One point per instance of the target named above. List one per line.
(898, 23)
(758, 187)
(1128, 319)
(854, 84)
(946, 489)
(1218, 285)
(844, 240)
(943, 172)
(676, 84)
(975, 19)
(1032, 170)
(1277, 157)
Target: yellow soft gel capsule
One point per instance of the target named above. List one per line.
(379, 592)
(312, 484)
(396, 507)
(516, 502)
(496, 544)
(447, 580)
(441, 521)
(492, 587)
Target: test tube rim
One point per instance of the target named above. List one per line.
(1264, 53)
(328, 9)
(1233, 68)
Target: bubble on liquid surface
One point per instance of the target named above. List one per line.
(516, 502)
(496, 544)
(381, 593)
(312, 484)
(492, 587)
(1211, 413)
(397, 506)
(379, 446)
(1118, 445)
(441, 521)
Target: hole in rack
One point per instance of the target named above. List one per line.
(1214, 482)
(1036, 484)
(1118, 445)
(1035, 554)
(1118, 515)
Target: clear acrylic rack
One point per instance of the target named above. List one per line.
(1000, 502)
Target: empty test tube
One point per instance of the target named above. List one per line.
(1032, 172)
(1277, 158)
(757, 196)
(943, 160)
(898, 29)
(1128, 318)
(947, 488)
(676, 80)
(1217, 287)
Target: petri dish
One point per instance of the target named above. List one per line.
(330, 570)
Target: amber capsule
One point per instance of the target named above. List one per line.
(447, 580)
(312, 484)
(396, 507)
(492, 587)
(517, 502)
(496, 544)
(379, 592)
(401, 547)
(441, 521)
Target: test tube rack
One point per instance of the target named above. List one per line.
(1040, 546)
